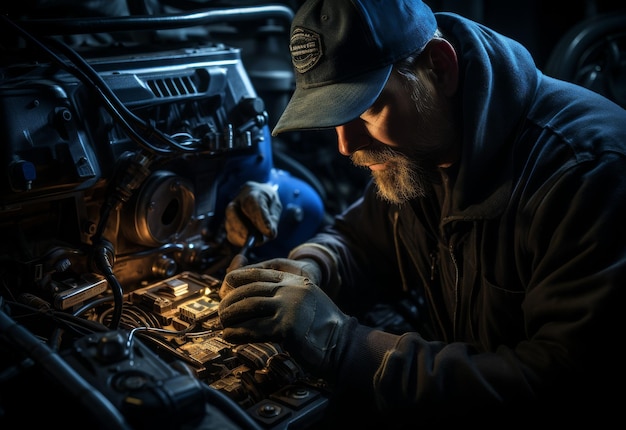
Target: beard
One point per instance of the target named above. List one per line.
(404, 179)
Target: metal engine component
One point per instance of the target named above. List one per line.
(118, 161)
(161, 210)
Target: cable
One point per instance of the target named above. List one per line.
(103, 262)
(162, 22)
(78, 67)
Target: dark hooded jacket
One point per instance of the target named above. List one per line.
(518, 258)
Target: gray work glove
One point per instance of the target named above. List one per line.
(267, 305)
(306, 268)
(255, 209)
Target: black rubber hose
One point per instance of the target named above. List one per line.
(89, 25)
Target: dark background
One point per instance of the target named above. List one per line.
(538, 24)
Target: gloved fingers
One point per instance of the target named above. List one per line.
(247, 291)
(297, 267)
(224, 290)
(236, 229)
(257, 278)
(247, 309)
(259, 318)
(237, 262)
(244, 276)
(254, 330)
(263, 210)
(249, 274)
(258, 294)
(257, 207)
(244, 335)
(284, 308)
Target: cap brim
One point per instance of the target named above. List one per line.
(332, 105)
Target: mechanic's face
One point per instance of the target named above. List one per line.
(402, 139)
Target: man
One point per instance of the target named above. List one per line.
(498, 197)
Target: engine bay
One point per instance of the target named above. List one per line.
(118, 160)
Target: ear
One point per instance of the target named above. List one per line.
(443, 62)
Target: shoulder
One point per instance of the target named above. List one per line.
(586, 120)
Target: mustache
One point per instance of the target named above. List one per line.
(366, 157)
(417, 163)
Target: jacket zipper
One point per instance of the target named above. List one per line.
(457, 291)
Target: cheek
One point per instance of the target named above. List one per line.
(403, 122)
(402, 128)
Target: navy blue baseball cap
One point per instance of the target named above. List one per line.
(343, 52)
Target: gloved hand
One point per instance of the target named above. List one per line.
(257, 206)
(306, 268)
(267, 305)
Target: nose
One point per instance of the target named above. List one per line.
(351, 137)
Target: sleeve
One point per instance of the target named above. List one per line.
(325, 259)
(356, 254)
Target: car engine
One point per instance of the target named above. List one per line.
(124, 137)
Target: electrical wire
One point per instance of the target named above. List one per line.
(77, 66)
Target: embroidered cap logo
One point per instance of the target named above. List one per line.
(306, 49)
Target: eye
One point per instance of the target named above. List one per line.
(377, 107)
